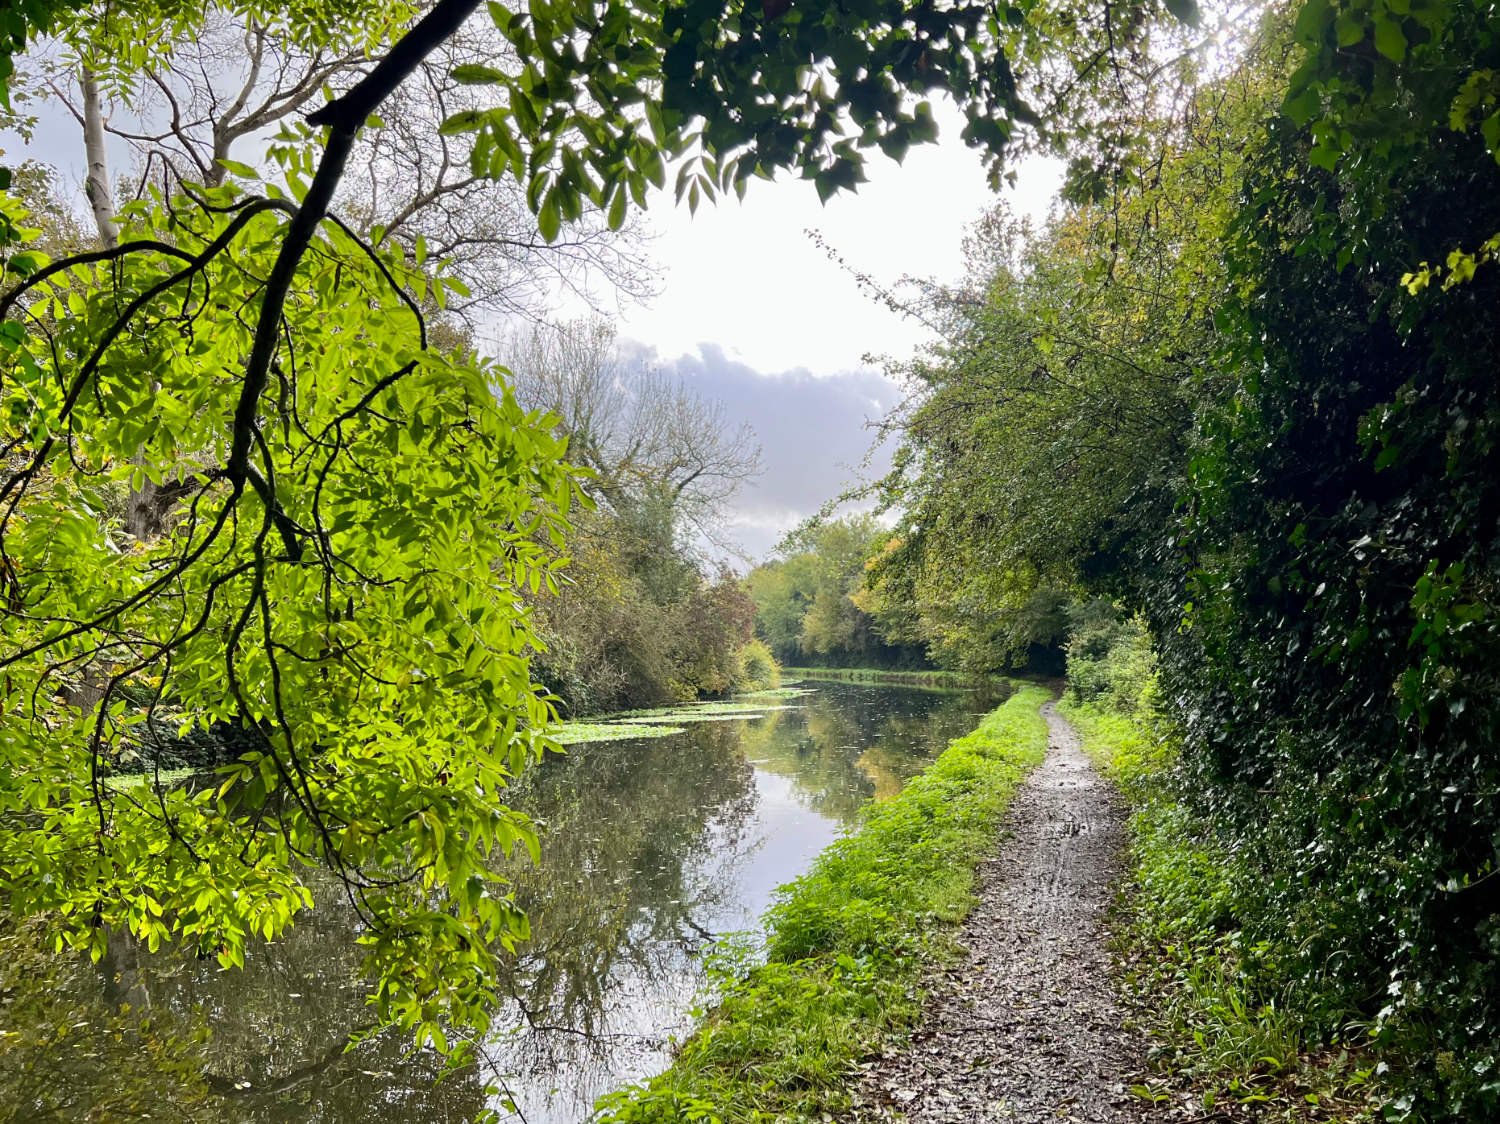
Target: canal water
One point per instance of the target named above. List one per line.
(652, 847)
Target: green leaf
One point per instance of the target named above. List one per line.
(548, 218)
(1312, 18)
(1302, 107)
(1390, 41)
(1325, 155)
(236, 168)
(1349, 27)
(477, 74)
(464, 121)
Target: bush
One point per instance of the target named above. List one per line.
(1331, 639)
(758, 669)
(1225, 1014)
(1110, 661)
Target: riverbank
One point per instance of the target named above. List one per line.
(847, 943)
(924, 680)
(1230, 1042)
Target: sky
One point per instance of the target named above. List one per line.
(814, 432)
(749, 277)
(755, 313)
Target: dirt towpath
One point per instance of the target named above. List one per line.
(1027, 1026)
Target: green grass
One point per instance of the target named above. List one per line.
(847, 943)
(1220, 1026)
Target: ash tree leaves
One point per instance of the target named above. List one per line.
(603, 95)
(359, 612)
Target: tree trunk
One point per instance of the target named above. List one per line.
(97, 186)
(142, 519)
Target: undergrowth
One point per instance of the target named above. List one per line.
(847, 942)
(1228, 1035)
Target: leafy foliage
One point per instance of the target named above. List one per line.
(1224, 1018)
(352, 599)
(604, 94)
(1305, 519)
(1341, 646)
(1110, 661)
(810, 605)
(636, 623)
(1044, 433)
(758, 670)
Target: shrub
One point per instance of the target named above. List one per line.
(1110, 661)
(758, 669)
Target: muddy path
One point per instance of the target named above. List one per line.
(1027, 1027)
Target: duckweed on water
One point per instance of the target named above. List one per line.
(572, 733)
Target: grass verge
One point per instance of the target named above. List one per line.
(1227, 1041)
(847, 942)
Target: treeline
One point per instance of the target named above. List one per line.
(819, 605)
(1242, 388)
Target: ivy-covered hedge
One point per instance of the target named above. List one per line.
(1328, 608)
(846, 943)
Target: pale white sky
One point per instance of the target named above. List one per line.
(748, 278)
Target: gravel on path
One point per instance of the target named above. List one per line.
(1027, 1026)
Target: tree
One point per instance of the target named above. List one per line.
(356, 516)
(809, 603)
(638, 622)
(1251, 395)
(1041, 447)
(364, 557)
(649, 439)
(1332, 636)
(201, 106)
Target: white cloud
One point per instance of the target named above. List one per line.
(748, 276)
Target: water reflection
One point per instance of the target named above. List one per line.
(652, 846)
